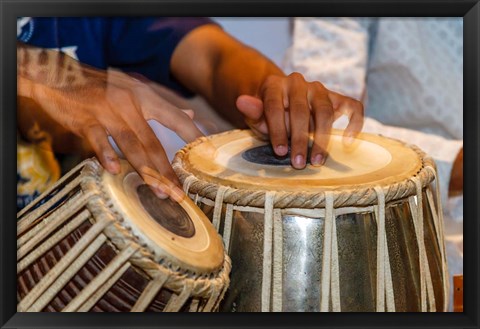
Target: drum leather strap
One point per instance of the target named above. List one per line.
(438, 223)
(88, 304)
(330, 274)
(227, 229)
(177, 301)
(54, 199)
(237, 191)
(426, 286)
(149, 293)
(384, 273)
(271, 290)
(212, 301)
(33, 237)
(40, 229)
(267, 251)
(102, 279)
(50, 285)
(217, 212)
(277, 261)
(52, 241)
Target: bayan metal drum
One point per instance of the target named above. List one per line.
(363, 232)
(102, 242)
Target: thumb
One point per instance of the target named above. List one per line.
(251, 107)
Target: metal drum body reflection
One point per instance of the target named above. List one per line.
(362, 233)
(302, 258)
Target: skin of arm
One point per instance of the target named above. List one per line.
(80, 106)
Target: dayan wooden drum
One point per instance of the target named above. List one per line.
(101, 242)
(364, 232)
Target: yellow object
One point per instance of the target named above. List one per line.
(37, 169)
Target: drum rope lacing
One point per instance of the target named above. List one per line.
(351, 197)
(439, 229)
(133, 250)
(384, 274)
(333, 202)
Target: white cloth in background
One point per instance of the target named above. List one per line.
(442, 150)
(412, 68)
(409, 74)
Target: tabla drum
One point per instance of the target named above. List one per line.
(363, 232)
(101, 242)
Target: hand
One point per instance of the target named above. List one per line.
(456, 177)
(93, 104)
(292, 107)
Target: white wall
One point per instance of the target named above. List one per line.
(269, 35)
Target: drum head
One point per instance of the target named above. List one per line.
(235, 159)
(178, 233)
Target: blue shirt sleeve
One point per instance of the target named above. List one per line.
(145, 45)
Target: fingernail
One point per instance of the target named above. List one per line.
(317, 160)
(281, 150)
(160, 193)
(113, 166)
(299, 161)
(349, 140)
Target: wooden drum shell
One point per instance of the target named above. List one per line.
(54, 227)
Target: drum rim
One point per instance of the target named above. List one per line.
(344, 195)
(145, 258)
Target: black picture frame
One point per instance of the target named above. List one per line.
(10, 9)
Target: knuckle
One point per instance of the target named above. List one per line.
(295, 76)
(354, 104)
(122, 94)
(271, 105)
(127, 136)
(271, 80)
(318, 85)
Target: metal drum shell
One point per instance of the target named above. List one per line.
(303, 239)
(248, 203)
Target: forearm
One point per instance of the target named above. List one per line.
(241, 73)
(220, 68)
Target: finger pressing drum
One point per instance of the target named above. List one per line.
(274, 111)
(135, 153)
(135, 122)
(323, 117)
(299, 123)
(97, 138)
(162, 184)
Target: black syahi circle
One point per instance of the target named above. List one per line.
(169, 214)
